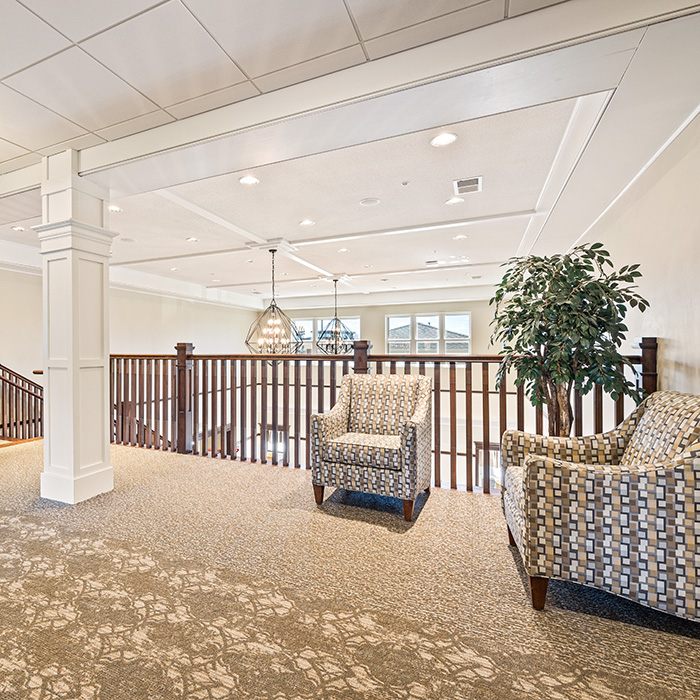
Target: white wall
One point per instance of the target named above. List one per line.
(657, 223)
(373, 320)
(139, 323)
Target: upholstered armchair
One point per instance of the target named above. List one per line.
(376, 439)
(618, 511)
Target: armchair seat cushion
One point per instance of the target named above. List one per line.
(379, 451)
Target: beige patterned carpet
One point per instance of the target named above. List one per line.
(198, 578)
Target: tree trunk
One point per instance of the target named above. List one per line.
(565, 418)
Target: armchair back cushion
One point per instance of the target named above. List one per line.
(381, 408)
(669, 425)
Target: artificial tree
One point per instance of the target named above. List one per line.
(561, 322)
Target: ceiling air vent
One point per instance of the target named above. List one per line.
(467, 185)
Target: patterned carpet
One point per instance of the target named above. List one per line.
(198, 578)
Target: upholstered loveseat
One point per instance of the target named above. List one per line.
(376, 439)
(618, 511)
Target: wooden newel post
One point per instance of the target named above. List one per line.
(361, 349)
(649, 374)
(184, 397)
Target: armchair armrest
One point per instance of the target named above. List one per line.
(326, 426)
(604, 448)
(416, 441)
(611, 525)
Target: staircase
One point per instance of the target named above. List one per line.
(21, 407)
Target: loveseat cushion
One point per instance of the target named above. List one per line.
(668, 426)
(380, 451)
(381, 407)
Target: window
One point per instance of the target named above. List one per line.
(429, 334)
(310, 329)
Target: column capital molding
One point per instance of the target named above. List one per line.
(75, 235)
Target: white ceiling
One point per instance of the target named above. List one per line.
(77, 73)
(549, 134)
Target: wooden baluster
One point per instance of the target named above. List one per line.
(285, 412)
(264, 437)
(598, 409)
(243, 412)
(275, 412)
(148, 420)
(578, 413)
(332, 380)
(407, 367)
(233, 416)
(119, 401)
(453, 425)
(436, 427)
(223, 438)
(297, 412)
(133, 369)
(174, 427)
(253, 410)
(539, 420)
(392, 367)
(214, 423)
(199, 406)
(309, 411)
(469, 419)
(486, 417)
(521, 407)
(204, 441)
(321, 381)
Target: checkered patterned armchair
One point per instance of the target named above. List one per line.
(376, 439)
(618, 511)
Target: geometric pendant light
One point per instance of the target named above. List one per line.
(336, 338)
(273, 332)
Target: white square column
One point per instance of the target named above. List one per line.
(75, 251)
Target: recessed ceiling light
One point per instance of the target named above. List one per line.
(343, 250)
(464, 257)
(128, 240)
(459, 237)
(216, 280)
(248, 261)
(306, 222)
(367, 265)
(313, 285)
(192, 239)
(369, 202)
(18, 228)
(454, 200)
(284, 274)
(249, 180)
(173, 269)
(444, 139)
(114, 208)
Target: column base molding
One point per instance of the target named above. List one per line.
(67, 489)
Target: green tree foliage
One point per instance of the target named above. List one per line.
(560, 320)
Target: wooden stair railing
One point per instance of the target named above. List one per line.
(21, 406)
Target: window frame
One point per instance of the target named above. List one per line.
(441, 340)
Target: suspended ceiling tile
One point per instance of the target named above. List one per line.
(78, 19)
(520, 7)
(31, 125)
(170, 58)
(345, 58)
(21, 162)
(76, 86)
(24, 38)
(267, 36)
(439, 28)
(18, 207)
(81, 142)
(212, 100)
(10, 150)
(377, 18)
(134, 126)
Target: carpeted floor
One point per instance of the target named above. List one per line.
(200, 578)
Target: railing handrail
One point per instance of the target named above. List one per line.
(22, 378)
(495, 359)
(26, 390)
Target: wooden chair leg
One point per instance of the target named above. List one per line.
(511, 539)
(408, 509)
(318, 493)
(427, 490)
(538, 590)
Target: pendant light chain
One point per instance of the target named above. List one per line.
(273, 251)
